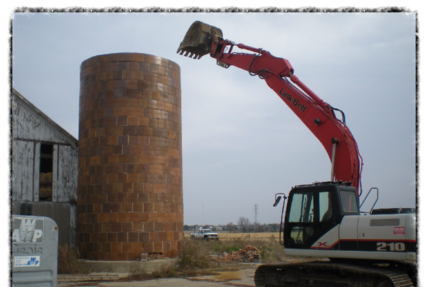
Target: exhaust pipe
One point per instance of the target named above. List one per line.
(198, 40)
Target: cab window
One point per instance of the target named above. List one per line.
(348, 201)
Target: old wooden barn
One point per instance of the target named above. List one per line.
(44, 167)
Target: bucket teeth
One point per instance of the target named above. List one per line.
(198, 40)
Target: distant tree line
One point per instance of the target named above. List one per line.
(243, 225)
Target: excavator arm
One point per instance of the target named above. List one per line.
(317, 115)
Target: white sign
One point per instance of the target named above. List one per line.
(27, 261)
(27, 230)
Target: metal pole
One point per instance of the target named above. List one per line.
(333, 160)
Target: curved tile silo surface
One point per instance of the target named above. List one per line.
(130, 157)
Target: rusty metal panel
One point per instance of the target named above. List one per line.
(22, 170)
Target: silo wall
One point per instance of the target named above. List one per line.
(130, 197)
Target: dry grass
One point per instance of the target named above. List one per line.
(68, 261)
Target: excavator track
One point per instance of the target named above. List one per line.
(334, 274)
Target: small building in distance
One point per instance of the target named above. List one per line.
(44, 168)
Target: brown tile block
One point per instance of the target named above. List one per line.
(106, 247)
(103, 217)
(94, 218)
(148, 247)
(123, 158)
(127, 247)
(138, 75)
(112, 197)
(93, 237)
(127, 75)
(117, 187)
(133, 66)
(122, 121)
(112, 237)
(128, 187)
(94, 160)
(166, 206)
(152, 217)
(161, 216)
(138, 207)
(133, 140)
(127, 207)
(112, 177)
(116, 207)
(117, 168)
(143, 217)
(122, 237)
(133, 236)
(148, 207)
(154, 197)
(163, 236)
(111, 256)
(144, 237)
(112, 159)
(143, 196)
(113, 217)
(158, 206)
(106, 227)
(122, 177)
(116, 227)
(133, 217)
(154, 236)
(138, 226)
(167, 226)
(133, 177)
(137, 247)
(122, 256)
(158, 246)
(116, 247)
(149, 226)
(166, 246)
(127, 226)
(102, 237)
(122, 217)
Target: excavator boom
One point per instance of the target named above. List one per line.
(278, 74)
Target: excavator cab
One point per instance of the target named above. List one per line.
(198, 40)
(313, 210)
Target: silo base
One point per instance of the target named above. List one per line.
(126, 268)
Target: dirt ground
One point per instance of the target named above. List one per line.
(244, 278)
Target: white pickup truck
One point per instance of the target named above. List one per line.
(205, 234)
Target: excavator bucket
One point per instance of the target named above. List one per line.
(198, 40)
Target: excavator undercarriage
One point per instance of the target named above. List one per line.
(336, 274)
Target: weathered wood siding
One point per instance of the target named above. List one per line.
(22, 171)
(30, 129)
(67, 174)
(29, 123)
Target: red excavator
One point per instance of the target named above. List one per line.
(323, 220)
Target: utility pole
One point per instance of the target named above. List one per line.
(256, 213)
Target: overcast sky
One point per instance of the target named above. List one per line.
(241, 143)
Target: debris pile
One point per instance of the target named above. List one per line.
(248, 254)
